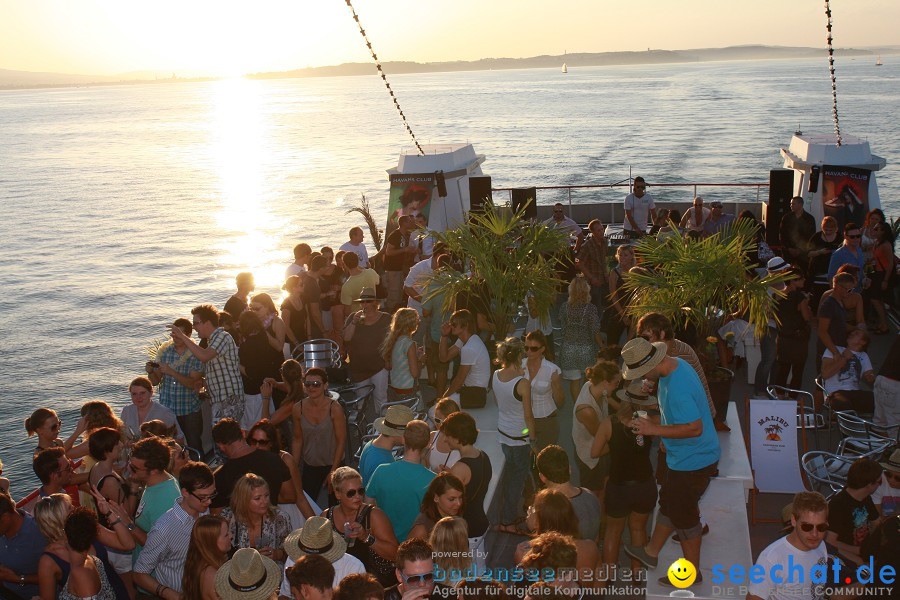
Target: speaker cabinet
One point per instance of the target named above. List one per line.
(781, 190)
(479, 191)
(521, 196)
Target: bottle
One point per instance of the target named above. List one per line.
(639, 414)
(347, 531)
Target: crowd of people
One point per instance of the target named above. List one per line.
(128, 508)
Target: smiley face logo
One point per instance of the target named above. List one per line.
(682, 573)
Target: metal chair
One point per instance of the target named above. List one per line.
(861, 437)
(323, 353)
(354, 400)
(808, 417)
(826, 473)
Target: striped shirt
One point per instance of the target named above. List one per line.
(223, 374)
(166, 549)
(179, 399)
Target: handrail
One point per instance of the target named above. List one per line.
(649, 185)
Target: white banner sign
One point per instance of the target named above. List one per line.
(773, 446)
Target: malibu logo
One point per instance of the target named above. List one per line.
(773, 426)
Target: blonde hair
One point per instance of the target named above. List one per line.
(510, 351)
(579, 291)
(450, 542)
(51, 513)
(243, 492)
(342, 474)
(404, 322)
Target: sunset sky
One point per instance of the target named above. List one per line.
(223, 37)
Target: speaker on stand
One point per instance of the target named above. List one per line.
(479, 192)
(521, 196)
(781, 190)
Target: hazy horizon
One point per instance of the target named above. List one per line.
(104, 38)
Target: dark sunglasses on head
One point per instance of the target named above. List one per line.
(351, 493)
(313, 383)
(807, 527)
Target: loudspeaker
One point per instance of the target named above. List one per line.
(814, 179)
(519, 198)
(781, 190)
(479, 191)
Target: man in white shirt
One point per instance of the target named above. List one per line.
(804, 546)
(318, 537)
(638, 205)
(302, 253)
(469, 385)
(887, 496)
(356, 246)
(561, 221)
(694, 218)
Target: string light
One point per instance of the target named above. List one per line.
(834, 108)
(384, 78)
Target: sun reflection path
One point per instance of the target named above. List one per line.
(249, 235)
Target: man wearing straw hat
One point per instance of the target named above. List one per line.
(692, 447)
(248, 576)
(380, 451)
(317, 537)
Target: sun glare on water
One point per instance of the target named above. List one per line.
(250, 232)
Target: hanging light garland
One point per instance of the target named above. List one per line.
(384, 78)
(834, 110)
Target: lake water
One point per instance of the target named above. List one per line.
(123, 207)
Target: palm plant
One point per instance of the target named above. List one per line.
(366, 213)
(506, 254)
(702, 281)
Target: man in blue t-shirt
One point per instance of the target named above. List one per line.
(692, 447)
(398, 488)
(381, 450)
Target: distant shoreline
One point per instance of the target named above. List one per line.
(30, 80)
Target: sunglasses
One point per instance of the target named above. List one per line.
(417, 579)
(257, 441)
(437, 422)
(354, 492)
(807, 527)
(533, 348)
(892, 476)
(57, 426)
(204, 499)
(314, 384)
(855, 237)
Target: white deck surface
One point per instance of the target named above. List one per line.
(728, 542)
(734, 462)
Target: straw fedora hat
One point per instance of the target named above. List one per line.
(635, 394)
(640, 356)
(317, 536)
(394, 420)
(248, 576)
(893, 462)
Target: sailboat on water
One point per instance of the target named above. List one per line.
(564, 69)
(878, 62)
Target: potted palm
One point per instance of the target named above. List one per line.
(509, 256)
(702, 283)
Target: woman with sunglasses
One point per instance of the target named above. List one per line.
(320, 432)
(253, 520)
(443, 498)
(45, 425)
(883, 275)
(439, 456)
(515, 424)
(276, 330)
(366, 528)
(297, 507)
(547, 395)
